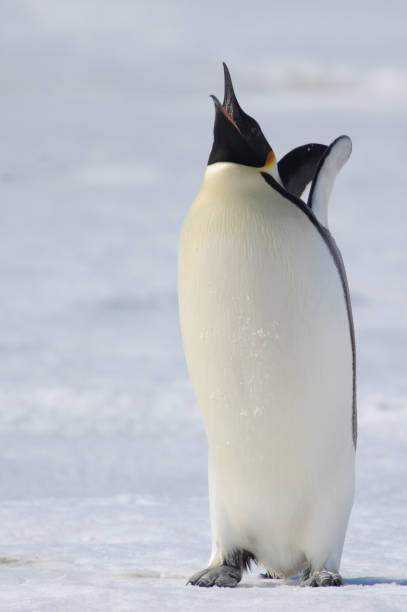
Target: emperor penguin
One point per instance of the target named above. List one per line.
(268, 335)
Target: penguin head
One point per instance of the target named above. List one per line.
(237, 136)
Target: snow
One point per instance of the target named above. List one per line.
(105, 135)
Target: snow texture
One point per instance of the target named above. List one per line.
(106, 128)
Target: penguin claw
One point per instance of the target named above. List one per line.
(222, 576)
(322, 579)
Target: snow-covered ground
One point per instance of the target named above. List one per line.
(106, 128)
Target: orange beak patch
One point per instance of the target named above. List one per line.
(232, 121)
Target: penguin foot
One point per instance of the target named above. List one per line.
(322, 578)
(222, 576)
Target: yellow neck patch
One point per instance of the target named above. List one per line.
(270, 159)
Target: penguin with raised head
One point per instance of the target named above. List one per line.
(269, 342)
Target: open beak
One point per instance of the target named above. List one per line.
(237, 136)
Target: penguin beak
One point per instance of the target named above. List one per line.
(228, 113)
(237, 136)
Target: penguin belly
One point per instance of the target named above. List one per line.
(267, 342)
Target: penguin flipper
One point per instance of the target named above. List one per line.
(297, 168)
(330, 164)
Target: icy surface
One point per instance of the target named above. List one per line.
(106, 128)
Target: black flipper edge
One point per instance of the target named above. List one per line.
(297, 168)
